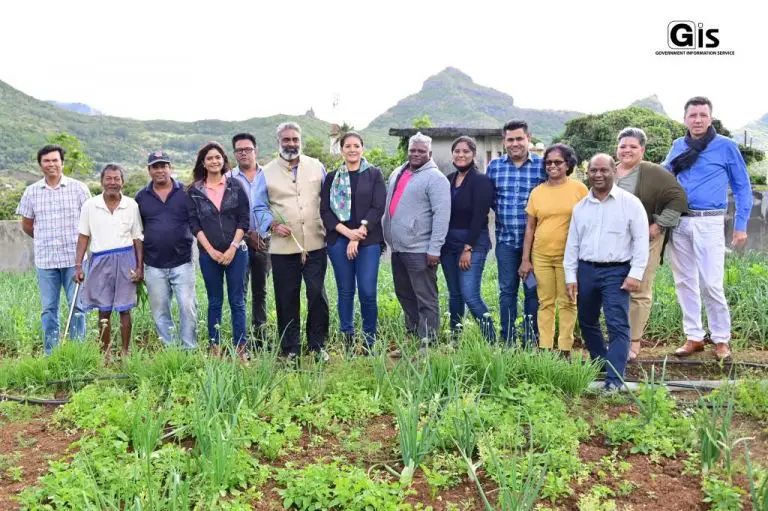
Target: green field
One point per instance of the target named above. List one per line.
(468, 428)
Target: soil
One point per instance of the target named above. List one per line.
(35, 443)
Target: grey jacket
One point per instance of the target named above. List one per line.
(421, 220)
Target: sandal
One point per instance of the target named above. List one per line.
(634, 351)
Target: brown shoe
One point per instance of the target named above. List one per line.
(689, 348)
(722, 351)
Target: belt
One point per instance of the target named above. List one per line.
(604, 265)
(705, 212)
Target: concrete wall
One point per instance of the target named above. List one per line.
(16, 251)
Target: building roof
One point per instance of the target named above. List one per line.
(446, 132)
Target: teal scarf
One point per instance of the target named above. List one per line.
(341, 191)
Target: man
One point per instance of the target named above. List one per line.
(288, 205)
(415, 223)
(111, 225)
(605, 257)
(247, 168)
(168, 267)
(705, 163)
(50, 210)
(514, 176)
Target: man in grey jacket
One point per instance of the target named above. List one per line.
(415, 224)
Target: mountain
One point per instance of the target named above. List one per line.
(80, 108)
(452, 99)
(26, 122)
(757, 131)
(651, 103)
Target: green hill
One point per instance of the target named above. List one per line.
(757, 131)
(25, 122)
(452, 99)
(651, 103)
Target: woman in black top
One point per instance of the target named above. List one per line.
(219, 217)
(467, 243)
(352, 203)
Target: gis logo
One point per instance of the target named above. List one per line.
(687, 35)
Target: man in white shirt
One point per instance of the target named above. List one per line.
(110, 224)
(605, 258)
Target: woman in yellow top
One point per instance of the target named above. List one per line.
(549, 216)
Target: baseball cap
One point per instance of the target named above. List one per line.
(157, 157)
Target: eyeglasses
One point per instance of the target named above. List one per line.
(244, 150)
(556, 163)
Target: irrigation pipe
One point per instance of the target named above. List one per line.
(689, 362)
(673, 386)
(33, 401)
(89, 378)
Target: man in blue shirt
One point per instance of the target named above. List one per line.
(514, 175)
(168, 268)
(246, 152)
(705, 164)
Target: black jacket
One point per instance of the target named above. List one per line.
(471, 203)
(219, 226)
(368, 202)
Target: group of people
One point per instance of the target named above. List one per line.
(576, 251)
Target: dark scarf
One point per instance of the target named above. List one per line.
(687, 158)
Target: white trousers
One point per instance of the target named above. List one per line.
(697, 256)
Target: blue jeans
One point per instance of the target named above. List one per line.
(365, 269)
(213, 276)
(508, 259)
(601, 287)
(50, 281)
(162, 284)
(464, 287)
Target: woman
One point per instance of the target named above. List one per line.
(664, 201)
(549, 216)
(219, 217)
(351, 205)
(467, 242)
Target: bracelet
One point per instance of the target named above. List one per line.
(233, 244)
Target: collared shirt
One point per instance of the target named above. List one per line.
(260, 211)
(167, 238)
(215, 192)
(56, 212)
(706, 182)
(110, 229)
(610, 231)
(250, 190)
(512, 187)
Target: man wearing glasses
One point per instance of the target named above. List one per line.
(244, 145)
(605, 258)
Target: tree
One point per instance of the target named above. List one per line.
(316, 149)
(423, 122)
(76, 161)
(378, 157)
(592, 134)
(749, 153)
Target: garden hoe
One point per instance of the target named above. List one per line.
(71, 311)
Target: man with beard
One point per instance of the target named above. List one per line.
(605, 257)
(705, 164)
(110, 225)
(246, 152)
(287, 204)
(416, 219)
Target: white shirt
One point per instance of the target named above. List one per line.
(109, 230)
(612, 231)
(55, 211)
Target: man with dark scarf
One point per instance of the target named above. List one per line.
(705, 164)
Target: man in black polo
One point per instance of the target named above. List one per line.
(168, 268)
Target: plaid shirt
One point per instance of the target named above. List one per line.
(513, 186)
(56, 214)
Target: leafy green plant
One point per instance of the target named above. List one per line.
(722, 495)
(417, 436)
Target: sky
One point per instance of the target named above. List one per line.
(188, 60)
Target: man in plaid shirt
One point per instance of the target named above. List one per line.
(514, 175)
(50, 213)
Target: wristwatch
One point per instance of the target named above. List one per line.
(364, 223)
(467, 248)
